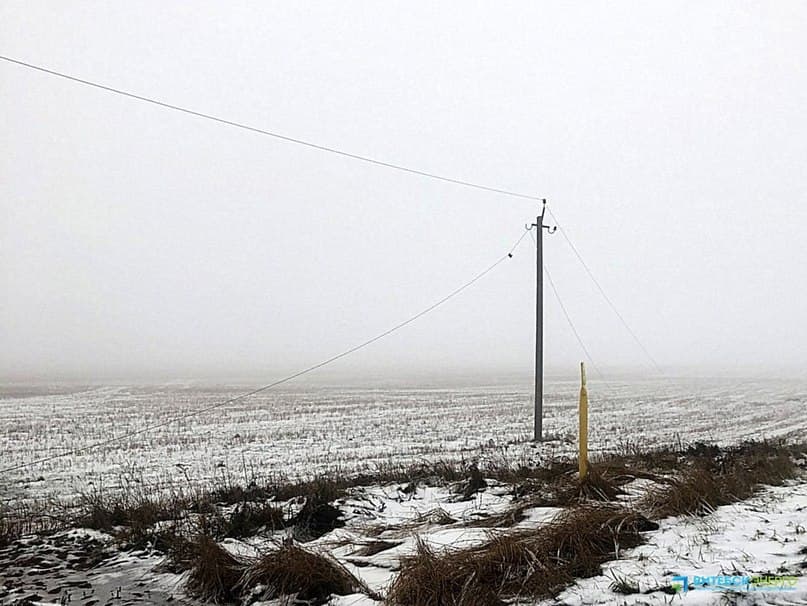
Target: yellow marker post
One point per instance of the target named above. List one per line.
(583, 417)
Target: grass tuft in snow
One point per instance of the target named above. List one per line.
(532, 563)
(711, 477)
(214, 572)
(623, 585)
(8, 529)
(309, 576)
(596, 486)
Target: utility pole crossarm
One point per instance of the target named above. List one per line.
(539, 322)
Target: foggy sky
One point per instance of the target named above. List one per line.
(135, 241)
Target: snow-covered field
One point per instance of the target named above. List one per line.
(301, 430)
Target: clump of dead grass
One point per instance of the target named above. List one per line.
(8, 530)
(697, 492)
(248, 518)
(214, 572)
(474, 483)
(531, 563)
(181, 551)
(565, 489)
(316, 517)
(309, 576)
(507, 518)
(31, 518)
(135, 509)
(712, 477)
(429, 578)
(595, 486)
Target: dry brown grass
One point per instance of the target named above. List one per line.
(31, 518)
(214, 573)
(699, 477)
(8, 530)
(104, 510)
(565, 489)
(596, 486)
(433, 517)
(248, 518)
(644, 458)
(695, 493)
(310, 576)
(505, 519)
(712, 477)
(316, 517)
(428, 578)
(531, 563)
(474, 483)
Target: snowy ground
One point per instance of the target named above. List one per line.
(763, 535)
(304, 430)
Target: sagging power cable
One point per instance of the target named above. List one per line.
(568, 317)
(276, 135)
(604, 295)
(340, 152)
(129, 434)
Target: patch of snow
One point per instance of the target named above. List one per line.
(763, 535)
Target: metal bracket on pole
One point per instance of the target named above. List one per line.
(539, 322)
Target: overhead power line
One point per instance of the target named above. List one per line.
(359, 157)
(604, 295)
(347, 352)
(254, 129)
(567, 316)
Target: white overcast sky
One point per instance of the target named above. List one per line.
(669, 138)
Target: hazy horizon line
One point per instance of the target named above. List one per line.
(410, 374)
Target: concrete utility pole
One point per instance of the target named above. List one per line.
(539, 323)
